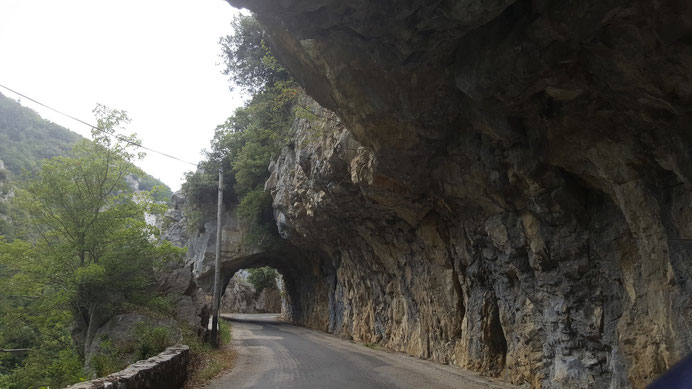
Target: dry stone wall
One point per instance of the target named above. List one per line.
(167, 370)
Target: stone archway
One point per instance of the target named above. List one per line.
(308, 275)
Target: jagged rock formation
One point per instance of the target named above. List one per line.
(504, 186)
(6, 191)
(239, 297)
(175, 279)
(6, 195)
(269, 300)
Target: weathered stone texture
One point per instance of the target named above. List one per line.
(269, 301)
(504, 186)
(509, 190)
(239, 297)
(168, 370)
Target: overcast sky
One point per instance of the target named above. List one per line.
(156, 59)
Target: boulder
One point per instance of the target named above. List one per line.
(269, 301)
(239, 297)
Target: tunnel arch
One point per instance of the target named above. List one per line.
(306, 275)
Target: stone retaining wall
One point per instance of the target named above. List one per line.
(168, 370)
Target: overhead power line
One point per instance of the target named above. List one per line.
(117, 136)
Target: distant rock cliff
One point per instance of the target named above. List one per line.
(240, 297)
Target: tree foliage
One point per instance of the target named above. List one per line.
(249, 62)
(90, 255)
(244, 145)
(262, 277)
(26, 138)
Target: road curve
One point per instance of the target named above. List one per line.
(272, 354)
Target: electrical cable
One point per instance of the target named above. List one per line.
(119, 137)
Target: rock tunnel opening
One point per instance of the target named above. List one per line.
(303, 278)
(254, 290)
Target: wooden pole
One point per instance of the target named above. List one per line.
(217, 268)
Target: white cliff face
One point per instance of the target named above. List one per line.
(241, 297)
(176, 280)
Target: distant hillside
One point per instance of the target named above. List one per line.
(26, 139)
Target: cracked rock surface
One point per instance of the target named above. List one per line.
(503, 185)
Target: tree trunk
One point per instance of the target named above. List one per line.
(91, 329)
(82, 251)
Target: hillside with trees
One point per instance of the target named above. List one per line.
(255, 133)
(26, 138)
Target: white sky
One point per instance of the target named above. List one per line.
(156, 59)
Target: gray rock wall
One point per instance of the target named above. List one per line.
(176, 280)
(510, 188)
(239, 297)
(502, 186)
(269, 301)
(543, 295)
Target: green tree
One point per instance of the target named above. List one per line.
(92, 256)
(254, 134)
(262, 277)
(249, 62)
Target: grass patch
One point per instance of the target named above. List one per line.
(373, 346)
(206, 362)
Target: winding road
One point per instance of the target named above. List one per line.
(273, 354)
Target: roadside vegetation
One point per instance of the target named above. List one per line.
(207, 362)
(82, 254)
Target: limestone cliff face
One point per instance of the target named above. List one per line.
(239, 297)
(505, 186)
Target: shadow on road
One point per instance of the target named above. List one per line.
(255, 318)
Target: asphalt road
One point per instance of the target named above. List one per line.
(272, 354)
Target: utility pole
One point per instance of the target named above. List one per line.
(217, 268)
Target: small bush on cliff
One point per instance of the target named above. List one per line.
(108, 360)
